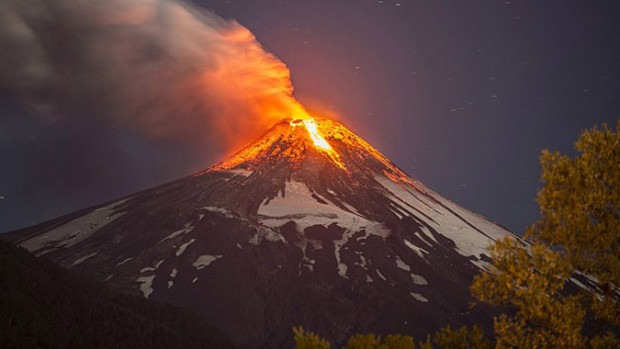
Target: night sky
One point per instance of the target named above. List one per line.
(462, 95)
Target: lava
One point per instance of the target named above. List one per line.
(317, 139)
(288, 142)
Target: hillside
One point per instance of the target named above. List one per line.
(43, 305)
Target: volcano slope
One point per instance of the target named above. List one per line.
(45, 306)
(289, 231)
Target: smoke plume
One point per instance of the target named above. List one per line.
(161, 67)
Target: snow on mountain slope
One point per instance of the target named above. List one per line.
(296, 202)
(470, 232)
(75, 231)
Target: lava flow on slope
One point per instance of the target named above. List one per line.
(294, 139)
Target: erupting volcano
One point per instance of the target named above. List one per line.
(309, 225)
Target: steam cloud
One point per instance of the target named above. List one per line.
(164, 68)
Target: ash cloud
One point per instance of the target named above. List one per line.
(166, 69)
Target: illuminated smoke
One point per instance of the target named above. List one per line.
(164, 68)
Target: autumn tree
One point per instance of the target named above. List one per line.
(578, 232)
(308, 340)
(448, 338)
(580, 208)
(371, 341)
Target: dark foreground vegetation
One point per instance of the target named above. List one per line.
(45, 306)
(576, 238)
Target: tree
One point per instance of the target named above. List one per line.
(308, 340)
(371, 341)
(578, 232)
(530, 280)
(462, 338)
(580, 208)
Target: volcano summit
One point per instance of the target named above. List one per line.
(309, 225)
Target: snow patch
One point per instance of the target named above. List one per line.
(153, 268)
(174, 273)
(342, 270)
(146, 285)
(481, 264)
(204, 260)
(82, 259)
(578, 283)
(363, 261)
(124, 261)
(350, 208)
(264, 233)
(170, 283)
(75, 231)
(418, 279)
(188, 227)
(471, 233)
(427, 233)
(194, 280)
(415, 248)
(224, 212)
(296, 204)
(397, 213)
(401, 264)
(184, 246)
(418, 297)
(308, 263)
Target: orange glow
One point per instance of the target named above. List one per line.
(248, 88)
(285, 141)
(317, 139)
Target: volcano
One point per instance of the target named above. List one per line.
(307, 226)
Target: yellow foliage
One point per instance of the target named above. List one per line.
(371, 341)
(579, 229)
(580, 213)
(448, 338)
(363, 341)
(308, 340)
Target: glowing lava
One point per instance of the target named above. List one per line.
(317, 139)
(284, 142)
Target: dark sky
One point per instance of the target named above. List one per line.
(462, 95)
